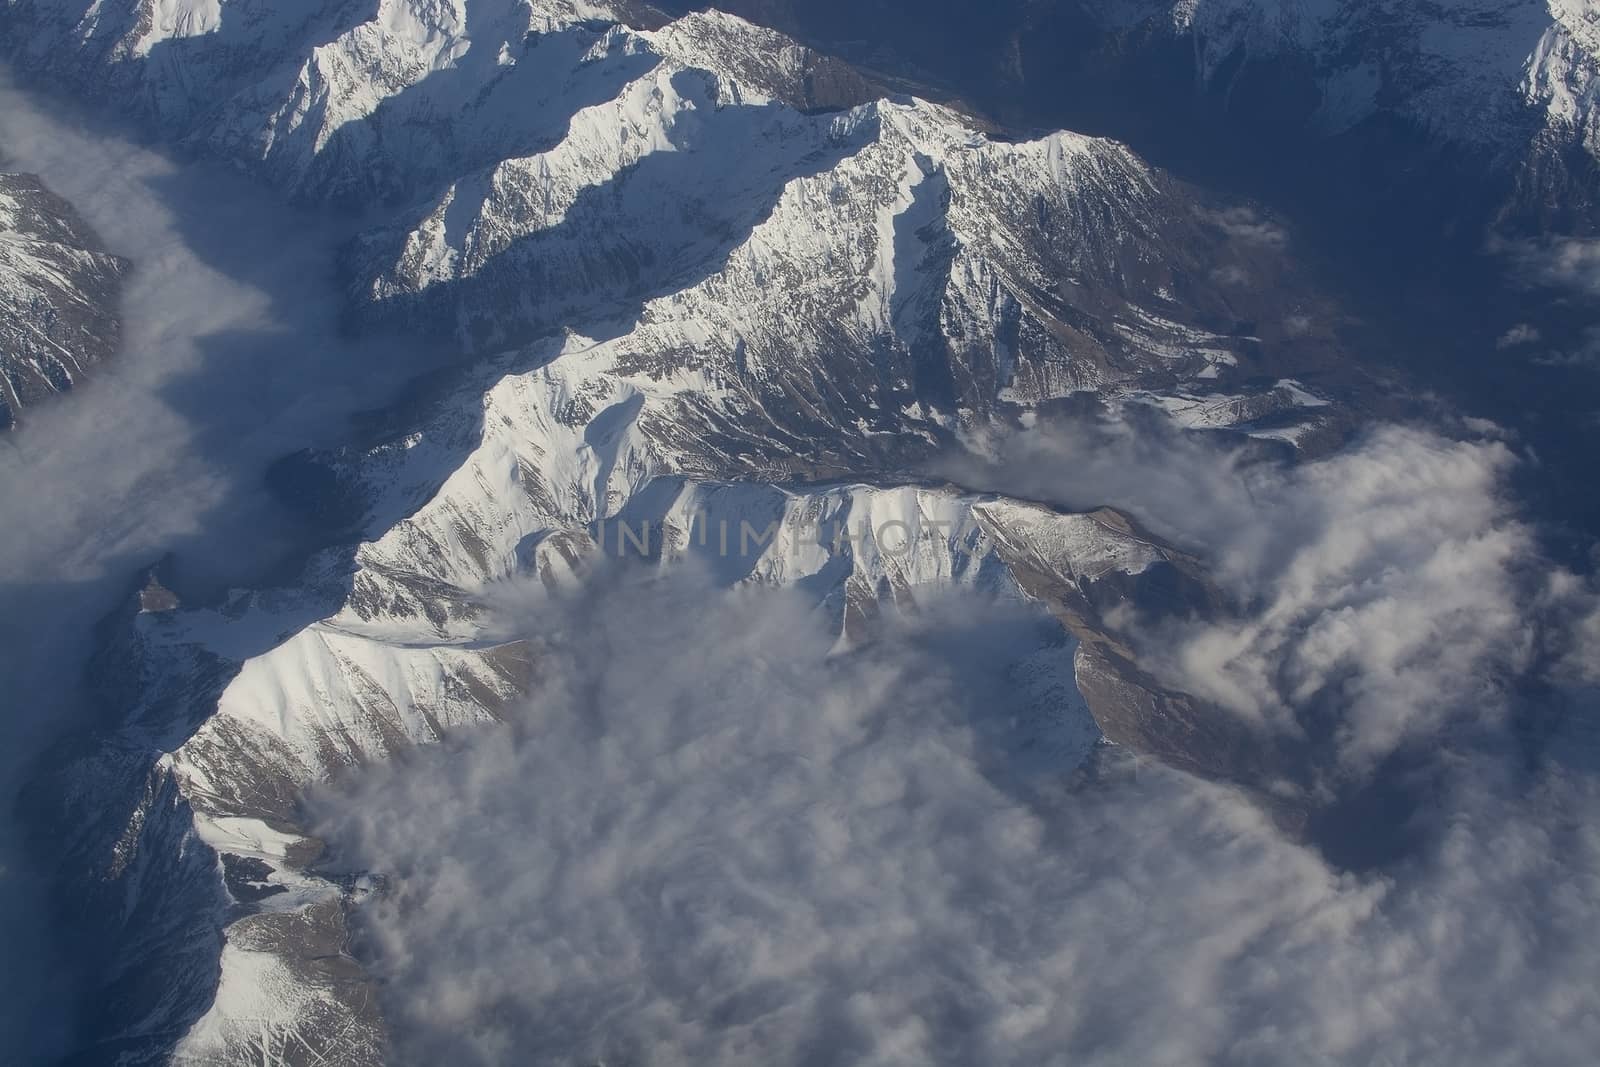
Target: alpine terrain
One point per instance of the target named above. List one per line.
(58, 294)
(718, 291)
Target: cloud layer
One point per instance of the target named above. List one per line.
(710, 841)
(1379, 595)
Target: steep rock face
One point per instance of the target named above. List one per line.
(58, 296)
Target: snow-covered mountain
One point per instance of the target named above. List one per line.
(1508, 86)
(710, 285)
(1518, 79)
(545, 165)
(1457, 68)
(58, 296)
(231, 711)
(357, 102)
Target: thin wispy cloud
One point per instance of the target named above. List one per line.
(1247, 225)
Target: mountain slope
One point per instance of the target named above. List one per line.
(703, 285)
(1510, 85)
(58, 293)
(1438, 159)
(1517, 80)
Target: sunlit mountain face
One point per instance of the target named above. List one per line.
(543, 531)
(1440, 158)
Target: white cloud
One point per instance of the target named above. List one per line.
(1380, 594)
(230, 360)
(1521, 334)
(710, 842)
(1571, 263)
(1386, 582)
(1247, 225)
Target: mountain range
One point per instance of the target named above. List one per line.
(699, 275)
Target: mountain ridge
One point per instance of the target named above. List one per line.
(808, 327)
(58, 296)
